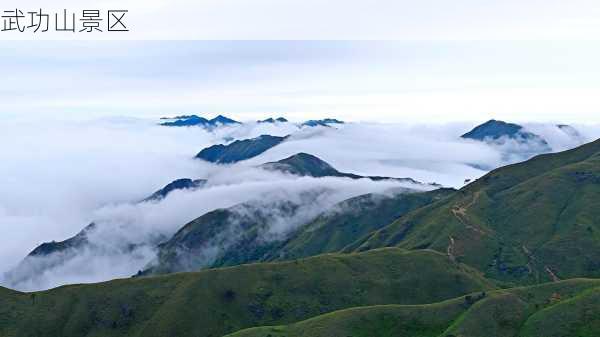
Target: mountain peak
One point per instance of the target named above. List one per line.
(179, 184)
(223, 120)
(303, 164)
(496, 130)
(493, 129)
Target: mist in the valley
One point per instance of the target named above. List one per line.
(59, 176)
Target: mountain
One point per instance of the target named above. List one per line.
(384, 292)
(351, 220)
(193, 120)
(222, 120)
(49, 255)
(503, 256)
(304, 164)
(230, 236)
(179, 184)
(186, 120)
(80, 238)
(239, 150)
(494, 130)
(220, 301)
(322, 122)
(271, 120)
(530, 222)
(559, 309)
(244, 233)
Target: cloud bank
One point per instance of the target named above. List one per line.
(59, 176)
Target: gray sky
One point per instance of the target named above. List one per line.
(339, 19)
(385, 81)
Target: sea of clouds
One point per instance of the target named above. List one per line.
(59, 176)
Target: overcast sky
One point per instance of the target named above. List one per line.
(339, 19)
(401, 81)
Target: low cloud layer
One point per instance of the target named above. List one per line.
(57, 177)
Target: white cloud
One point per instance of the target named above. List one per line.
(58, 176)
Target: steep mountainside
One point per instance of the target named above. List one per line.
(220, 301)
(244, 233)
(351, 220)
(231, 236)
(239, 150)
(534, 221)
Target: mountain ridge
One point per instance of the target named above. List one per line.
(304, 164)
(239, 150)
(219, 301)
(486, 226)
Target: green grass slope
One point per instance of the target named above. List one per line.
(220, 301)
(567, 308)
(351, 220)
(527, 223)
(236, 235)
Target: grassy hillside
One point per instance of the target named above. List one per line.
(351, 220)
(220, 301)
(531, 222)
(567, 308)
(240, 234)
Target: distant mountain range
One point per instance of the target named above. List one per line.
(193, 120)
(276, 120)
(327, 122)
